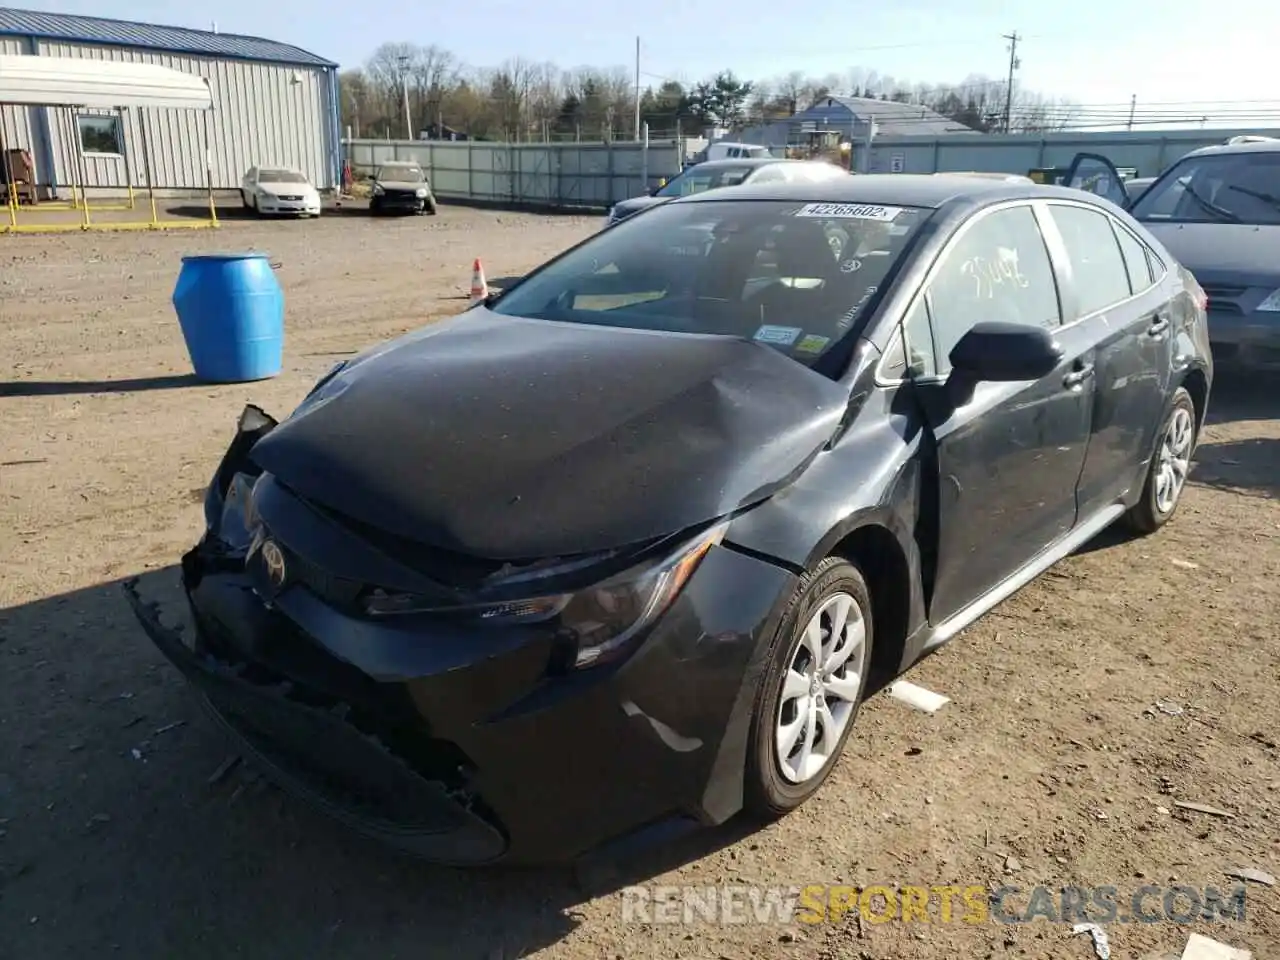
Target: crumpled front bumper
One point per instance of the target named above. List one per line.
(308, 742)
(468, 753)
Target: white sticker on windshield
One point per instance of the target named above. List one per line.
(783, 336)
(850, 211)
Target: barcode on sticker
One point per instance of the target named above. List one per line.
(849, 211)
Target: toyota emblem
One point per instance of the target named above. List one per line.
(273, 561)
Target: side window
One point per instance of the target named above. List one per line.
(1135, 259)
(998, 270)
(917, 340)
(1096, 262)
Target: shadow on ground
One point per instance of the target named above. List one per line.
(117, 840)
(49, 388)
(1244, 395)
(1250, 467)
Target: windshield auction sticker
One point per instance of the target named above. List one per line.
(782, 336)
(849, 211)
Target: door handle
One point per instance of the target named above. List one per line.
(1079, 375)
(1158, 326)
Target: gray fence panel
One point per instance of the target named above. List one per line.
(1150, 151)
(589, 175)
(596, 175)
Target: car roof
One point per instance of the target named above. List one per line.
(739, 162)
(1253, 146)
(904, 189)
(399, 163)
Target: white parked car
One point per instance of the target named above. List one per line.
(275, 190)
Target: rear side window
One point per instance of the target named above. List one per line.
(1136, 260)
(1101, 277)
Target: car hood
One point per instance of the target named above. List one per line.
(1227, 253)
(514, 439)
(278, 188)
(403, 184)
(627, 208)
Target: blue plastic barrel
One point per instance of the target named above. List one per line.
(231, 310)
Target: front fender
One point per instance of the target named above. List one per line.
(873, 476)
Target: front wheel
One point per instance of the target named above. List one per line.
(1167, 475)
(431, 207)
(809, 696)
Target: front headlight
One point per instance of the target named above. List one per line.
(1271, 304)
(599, 621)
(377, 190)
(422, 192)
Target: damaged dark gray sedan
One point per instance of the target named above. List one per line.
(617, 550)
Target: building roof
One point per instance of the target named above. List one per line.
(124, 33)
(895, 119)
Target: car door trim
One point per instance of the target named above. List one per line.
(1080, 534)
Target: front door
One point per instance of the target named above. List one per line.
(1008, 457)
(1096, 174)
(1121, 302)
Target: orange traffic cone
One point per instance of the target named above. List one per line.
(479, 287)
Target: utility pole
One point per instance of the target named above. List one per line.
(1133, 104)
(1014, 63)
(404, 88)
(637, 88)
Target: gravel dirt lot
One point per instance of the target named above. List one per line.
(1052, 765)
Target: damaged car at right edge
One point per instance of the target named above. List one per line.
(617, 551)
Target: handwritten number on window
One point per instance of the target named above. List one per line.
(989, 274)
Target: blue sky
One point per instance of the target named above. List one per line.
(1092, 52)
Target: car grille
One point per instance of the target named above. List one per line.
(291, 199)
(401, 195)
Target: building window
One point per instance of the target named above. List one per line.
(100, 135)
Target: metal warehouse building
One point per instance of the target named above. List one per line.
(272, 104)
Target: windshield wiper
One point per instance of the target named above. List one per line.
(1264, 197)
(1222, 213)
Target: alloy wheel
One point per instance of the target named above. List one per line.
(1174, 459)
(820, 688)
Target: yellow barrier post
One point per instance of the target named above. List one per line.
(146, 164)
(11, 188)
(80, 165)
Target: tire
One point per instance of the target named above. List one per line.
(244, 199)
(776, 785)
(375, 207)
(1175, 446)
(431, 208)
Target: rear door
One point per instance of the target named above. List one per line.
(1096, 174)
(1122, 305)
(1008, 458)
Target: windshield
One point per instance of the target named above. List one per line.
(1222, 188)
(794, 276)
(281, 176)
(695, 180)
(401, 174)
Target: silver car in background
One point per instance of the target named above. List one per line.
(1218, 211)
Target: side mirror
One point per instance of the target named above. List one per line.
(1005, 353)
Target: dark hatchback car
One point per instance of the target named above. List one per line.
(715, 174)
(1218, 211)
(617, 550)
